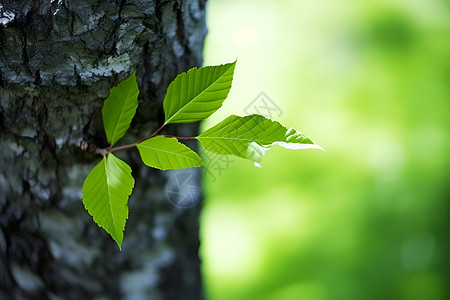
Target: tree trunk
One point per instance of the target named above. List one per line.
(58, 61)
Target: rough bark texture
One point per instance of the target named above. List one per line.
(58, 61)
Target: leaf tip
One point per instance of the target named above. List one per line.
(119, 245)
(233, 64)
(320, 148)
(117, 237)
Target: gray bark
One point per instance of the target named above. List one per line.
(58, 61)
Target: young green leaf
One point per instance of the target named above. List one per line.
(251, 136)
(105, 195)
(119, 108)
(197, 94)
(167, 153)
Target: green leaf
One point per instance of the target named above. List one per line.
(251, 136)
(105, 195)
(167, 153)
(197, 94)
(119, 109)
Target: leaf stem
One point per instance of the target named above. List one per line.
(109, 149)
(154, 133)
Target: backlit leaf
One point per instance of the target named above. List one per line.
(251, 136)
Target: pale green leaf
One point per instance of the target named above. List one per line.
(119, 109)
(197, 94)
(105, 195)
(167, 153)
(251, 136)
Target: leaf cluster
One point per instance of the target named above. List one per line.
(193, 96)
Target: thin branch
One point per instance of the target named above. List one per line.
(123, 147)
(103, 152)
(111, 149)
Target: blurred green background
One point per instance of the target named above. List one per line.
(369, 81)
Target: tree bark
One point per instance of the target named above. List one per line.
(58, 61)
